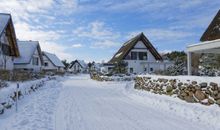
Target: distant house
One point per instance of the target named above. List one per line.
(140, 56)
(8, 43)
(30, 56)
(95, 67)
(210, 43)
(52, 62)
(78, 66)
(107, 67)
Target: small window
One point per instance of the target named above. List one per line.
(151, 69)
(35, 61)
(145, 69)
(131, 70)
(45, 64)
(142, 55)
(133, 55)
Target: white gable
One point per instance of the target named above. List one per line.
(140, 44)
(26, 49)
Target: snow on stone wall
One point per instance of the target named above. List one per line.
(193, 89)
(8, 93)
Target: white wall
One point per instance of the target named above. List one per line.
(50, 66)
(30, 66)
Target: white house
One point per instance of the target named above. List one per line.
(8, 43)
(52, 62)
(140, 55)
(210, 43)
(78, 66)
(95, 67)
(30, 56)
(107, 67)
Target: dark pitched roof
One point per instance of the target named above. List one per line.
(6, 24)
(80, 62)
(127, 46)
(213, 30)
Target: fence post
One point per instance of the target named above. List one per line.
(17, 97)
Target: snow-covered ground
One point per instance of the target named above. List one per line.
(79, 103)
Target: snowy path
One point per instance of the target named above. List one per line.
(82, 104)
(90, 105)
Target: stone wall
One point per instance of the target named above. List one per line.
(22, 75)
(190, 91)
(111, 78)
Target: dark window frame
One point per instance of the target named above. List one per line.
(134, 55)
(35, 61)
(141, 55)
(46, 64)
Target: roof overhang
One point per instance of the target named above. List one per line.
(205, 47)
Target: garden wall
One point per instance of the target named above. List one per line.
(193, 89)
(8, 91)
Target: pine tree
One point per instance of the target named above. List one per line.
(120, 67)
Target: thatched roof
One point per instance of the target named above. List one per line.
(127, 46)
(6, 25)
(213, 30)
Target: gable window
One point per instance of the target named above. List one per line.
(133, 55)
(45, 64)
(142, 55)
(35, 61)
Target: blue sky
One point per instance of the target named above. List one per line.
(93, 30)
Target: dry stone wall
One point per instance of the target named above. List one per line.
(190, 91)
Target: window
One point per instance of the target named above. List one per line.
(133, 55)
(110, 69)
(35, 61)
(6, 49)
(142, 55)
(131, 70)
(151, 69)
(45, 64)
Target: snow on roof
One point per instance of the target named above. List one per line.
(26, 49)
(82, 63)
(4, 18)
(54, 59)
(117, 55)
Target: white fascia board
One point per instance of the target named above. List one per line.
(204, 46)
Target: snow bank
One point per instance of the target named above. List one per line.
(7, 94)
(208, 115)
(186, 78)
